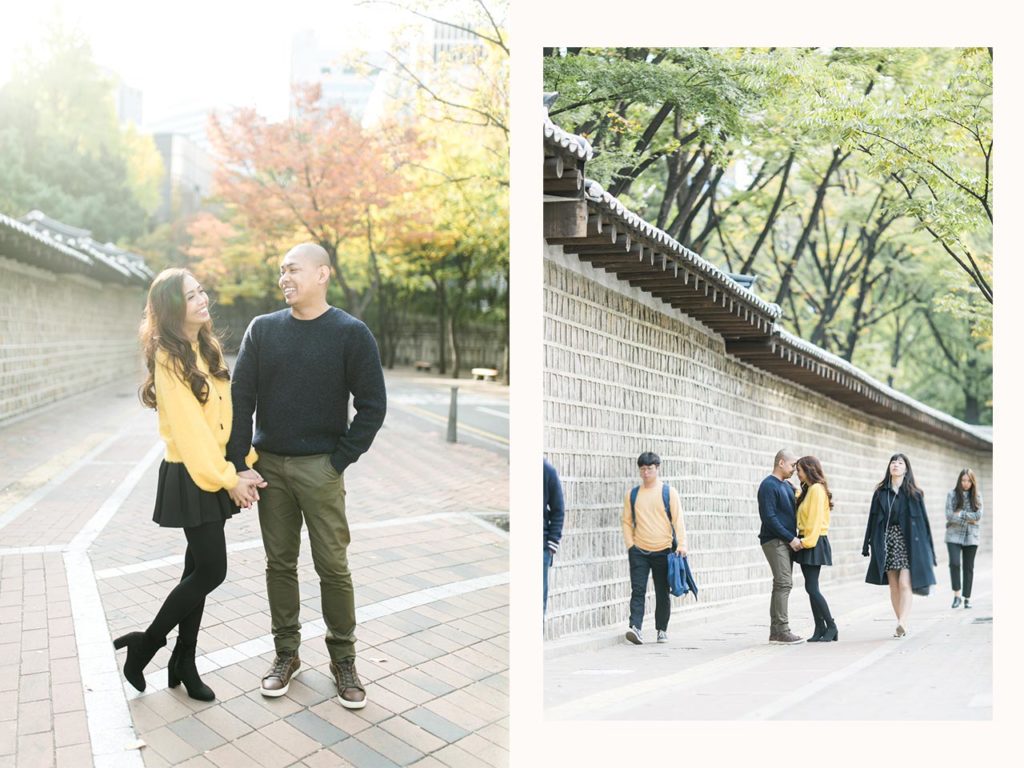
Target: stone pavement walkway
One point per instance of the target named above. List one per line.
(718, 664)
(81, 562)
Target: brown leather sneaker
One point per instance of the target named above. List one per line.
(279, 676)
(784, 638)
(351, 692)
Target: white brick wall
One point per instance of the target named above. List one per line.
(624, 373)
(60, 335)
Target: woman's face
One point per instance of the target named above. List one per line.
(801, 474)
(897, 467)
(197, 304)
(965, 482)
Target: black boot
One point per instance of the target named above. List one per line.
(182, 669)
(831, 631)
(141, 650)
(819, 632)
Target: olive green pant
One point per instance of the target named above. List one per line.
(306, 487)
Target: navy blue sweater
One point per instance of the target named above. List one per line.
(297, 375)
(554, 508)
(776, 503)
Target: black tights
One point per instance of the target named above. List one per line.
(819, 608)
(206, 565)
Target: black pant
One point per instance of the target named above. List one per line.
(969, 550)
(642, 563)
(206, 565)
(819, 607)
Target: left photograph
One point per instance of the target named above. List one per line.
(254, 385)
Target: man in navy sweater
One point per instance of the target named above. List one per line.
(554, 515)
(776, 503)
(296, 369)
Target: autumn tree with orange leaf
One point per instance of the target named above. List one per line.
(318, 176)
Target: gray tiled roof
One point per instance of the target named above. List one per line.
(59, 247)
(565, 142)
(672, 247)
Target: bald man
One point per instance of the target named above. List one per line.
(296, 369)
(776, 504)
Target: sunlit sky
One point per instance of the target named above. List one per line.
(192, 54)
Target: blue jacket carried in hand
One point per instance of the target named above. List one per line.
(680, 577)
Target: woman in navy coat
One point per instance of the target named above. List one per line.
(899, 540)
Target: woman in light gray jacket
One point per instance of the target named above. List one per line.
(963, 532)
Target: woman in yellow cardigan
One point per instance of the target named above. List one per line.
(188, 385)
(813, 511)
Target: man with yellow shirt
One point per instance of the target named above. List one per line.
(651, 522)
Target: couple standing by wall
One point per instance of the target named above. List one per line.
(296, 369)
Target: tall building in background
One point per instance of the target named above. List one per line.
(188, 173)
(344, 83)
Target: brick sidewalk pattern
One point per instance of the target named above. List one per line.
(431, 581)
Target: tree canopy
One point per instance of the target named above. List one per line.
(62, 150)
(855, 183)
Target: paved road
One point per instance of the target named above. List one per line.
(482, 407)
(81, 562)
(718, 666)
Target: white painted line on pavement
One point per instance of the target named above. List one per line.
(110, 723)
(85, 537)
(250, 649)
(240, 546)
(499, 414)
(39, 493)
(612, 700)
(805, 692)
(36, 550)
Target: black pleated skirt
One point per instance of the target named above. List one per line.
(180, 503)
(819, 554)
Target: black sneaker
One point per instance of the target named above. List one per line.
(633, 635)
(275, 683)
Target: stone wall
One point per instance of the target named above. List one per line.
(61, 335)
(624, 373)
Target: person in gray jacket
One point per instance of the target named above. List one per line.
(963, 532)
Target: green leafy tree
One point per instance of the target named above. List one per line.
(62, 151)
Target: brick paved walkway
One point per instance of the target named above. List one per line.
(81, 562)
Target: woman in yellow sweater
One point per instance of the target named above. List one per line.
(188, 385)
(813, 511)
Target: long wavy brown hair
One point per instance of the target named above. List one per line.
(162, 328)
(973, 492)
(815, 474)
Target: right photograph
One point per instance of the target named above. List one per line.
(767, 383)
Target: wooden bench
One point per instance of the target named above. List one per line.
(487, 374)
(423, 365)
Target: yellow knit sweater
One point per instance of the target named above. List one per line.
(196, 434)
(812, 516)
(652, 532)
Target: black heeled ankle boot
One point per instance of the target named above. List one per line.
(182, 669)
(819, 632)
(141, 650)
(831, 633)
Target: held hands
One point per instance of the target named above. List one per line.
(796, 545)
(246, 493)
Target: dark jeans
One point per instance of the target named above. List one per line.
(642, 563)
(547, 564)
(819, 608)
(954, 565)
(206, 565)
